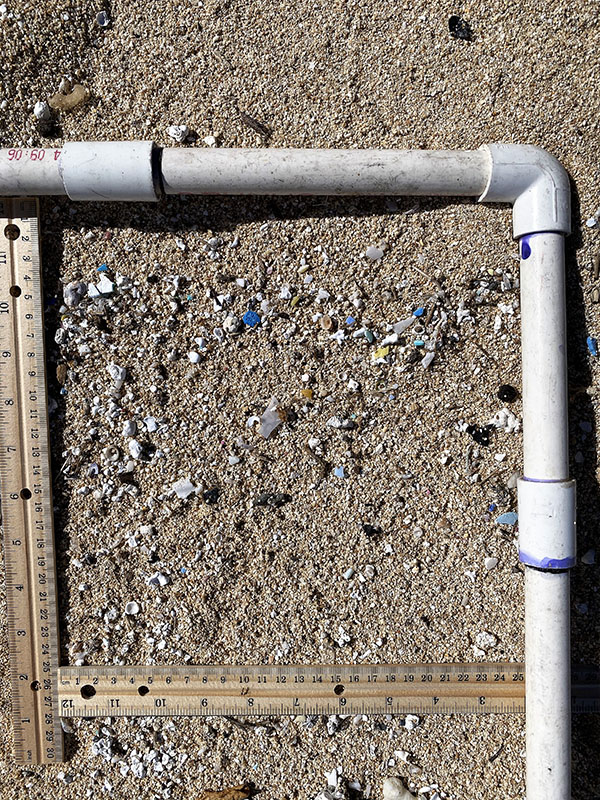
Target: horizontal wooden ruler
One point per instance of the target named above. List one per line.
(27, 518)
(337, 689)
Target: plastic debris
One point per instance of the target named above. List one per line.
(592, 345)
(103, 288)
(411, 721)
(67, 102)
(251, 319)
(382, 352)
(481, 433)
(509, 518)
(374, 253)
(403, 324)
(339, 472)
(74, 292)
(211, 496)
(183, 488)
(273, 499)
(132, 608)
(179, 133)
(102, 19)
(418, 312)
(272, 418)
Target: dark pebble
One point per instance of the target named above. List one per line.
(507, 393)
(460, 28)
(273, 499)
(211, 496)
(371, 530)
(481, 433)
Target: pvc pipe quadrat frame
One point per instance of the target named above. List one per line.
(538, 188)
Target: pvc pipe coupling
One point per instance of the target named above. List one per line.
(547, 523)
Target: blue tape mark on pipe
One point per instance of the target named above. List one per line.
(525, 248)
(546, 563)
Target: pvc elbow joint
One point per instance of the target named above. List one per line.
(536, 185)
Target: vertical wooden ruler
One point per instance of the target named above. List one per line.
(27, 516)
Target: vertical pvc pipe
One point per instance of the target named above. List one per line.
(546, 461)
(544, 357)
(547, 685)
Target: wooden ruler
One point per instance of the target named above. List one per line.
(27, 517)
(335, 689)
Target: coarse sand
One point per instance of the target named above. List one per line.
(264, 583)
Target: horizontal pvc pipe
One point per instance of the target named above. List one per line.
(324, 172)
(547, 685)
(544, 357)
(30, 171)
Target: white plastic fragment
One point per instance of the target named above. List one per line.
(183, 488)
(103, 288)
(178, 133)
(403, 324)
(374, 253)
(272, 418)
(132, 608)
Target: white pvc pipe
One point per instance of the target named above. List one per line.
(538, 188)
(547, 685)
(544, 357)
(324, 172)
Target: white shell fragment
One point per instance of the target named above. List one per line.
(118, 374)
(132, 608)
(484, 640)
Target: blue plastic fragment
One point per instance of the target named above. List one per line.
(183, 570)
(350, 320)
(102, 268)
(492, 507)
(251, 318)
(418, 312)
(592, 345)
(339, 472)
(510, 518)
(419, 343)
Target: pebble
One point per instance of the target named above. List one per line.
(194, 357)
(231, 324)
(507, 393)
(178, 133)
(67, 102)
(394, 789)
(326, 322)
(41, 110)
(589, 557)
(132, 608)
(490, 563)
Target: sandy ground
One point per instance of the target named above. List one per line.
(250, 583)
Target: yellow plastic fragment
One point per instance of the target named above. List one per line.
(307, 393)
(381, 353)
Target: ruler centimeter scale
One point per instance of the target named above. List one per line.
(480, 688)
(32, 611)
(43, 691)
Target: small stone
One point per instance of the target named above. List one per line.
(194, 357)
(132, 608)
(211, 141)
(41, 110)
(507, 393)
(272, 499)
(374, 253)
(490, 563)
(211, 496)
(231, 324)
(158, 579)
(326, 322)
(178, 133)
(589, 557)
